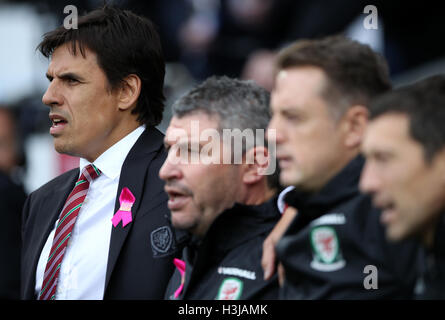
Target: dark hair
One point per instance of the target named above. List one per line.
(239, 104)
(124, 44)
(424, 104)
(355, 73)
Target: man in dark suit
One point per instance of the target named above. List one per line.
(12, 198)
(108, 235)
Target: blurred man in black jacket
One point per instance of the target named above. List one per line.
(223, 259)
(12, 199)
(405, 171)
(319, 113)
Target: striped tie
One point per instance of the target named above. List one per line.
(63, 231)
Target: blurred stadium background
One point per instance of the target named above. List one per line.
(200, 38)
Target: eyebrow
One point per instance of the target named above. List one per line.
(188, 143)
(290, 109)
(285, 107)
(66, 76)
(378, 152)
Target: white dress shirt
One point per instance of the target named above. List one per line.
(280, 201)
(84, 266)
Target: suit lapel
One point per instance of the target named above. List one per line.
(133, 176)
(52, 204)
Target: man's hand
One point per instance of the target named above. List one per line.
(281, 274)
(268, 261)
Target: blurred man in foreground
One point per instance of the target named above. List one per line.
(222, 202)
(404, 147)
(319, 107)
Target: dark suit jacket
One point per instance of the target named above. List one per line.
(12, 198)
(141, 254)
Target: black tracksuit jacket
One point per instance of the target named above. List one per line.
(432, 279)
(336, 246)
(226, 263)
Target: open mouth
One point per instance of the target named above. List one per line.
(284, 161)
(389, 213)
(176, 199)
(57, 124)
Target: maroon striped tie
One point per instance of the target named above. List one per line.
(63, 231)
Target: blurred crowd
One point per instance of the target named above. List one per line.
(237, 38)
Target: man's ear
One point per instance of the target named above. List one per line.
(438, 162)
(256, 164)
(354, 123)
(129, 91)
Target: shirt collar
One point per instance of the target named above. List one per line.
(110, 162)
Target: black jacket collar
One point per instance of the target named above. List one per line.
(232, 228)
(439, 238)
(339, 189)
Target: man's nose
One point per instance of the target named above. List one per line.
(170, 169)
(52, 97)
(369, 180)
(273, 131)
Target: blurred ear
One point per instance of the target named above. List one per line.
(438, 162)
(129, 92)
(255, 165)
(354, 123)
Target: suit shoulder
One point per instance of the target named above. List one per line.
(53, 185)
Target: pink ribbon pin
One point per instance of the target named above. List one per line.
(180, 265)
(126, 200)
